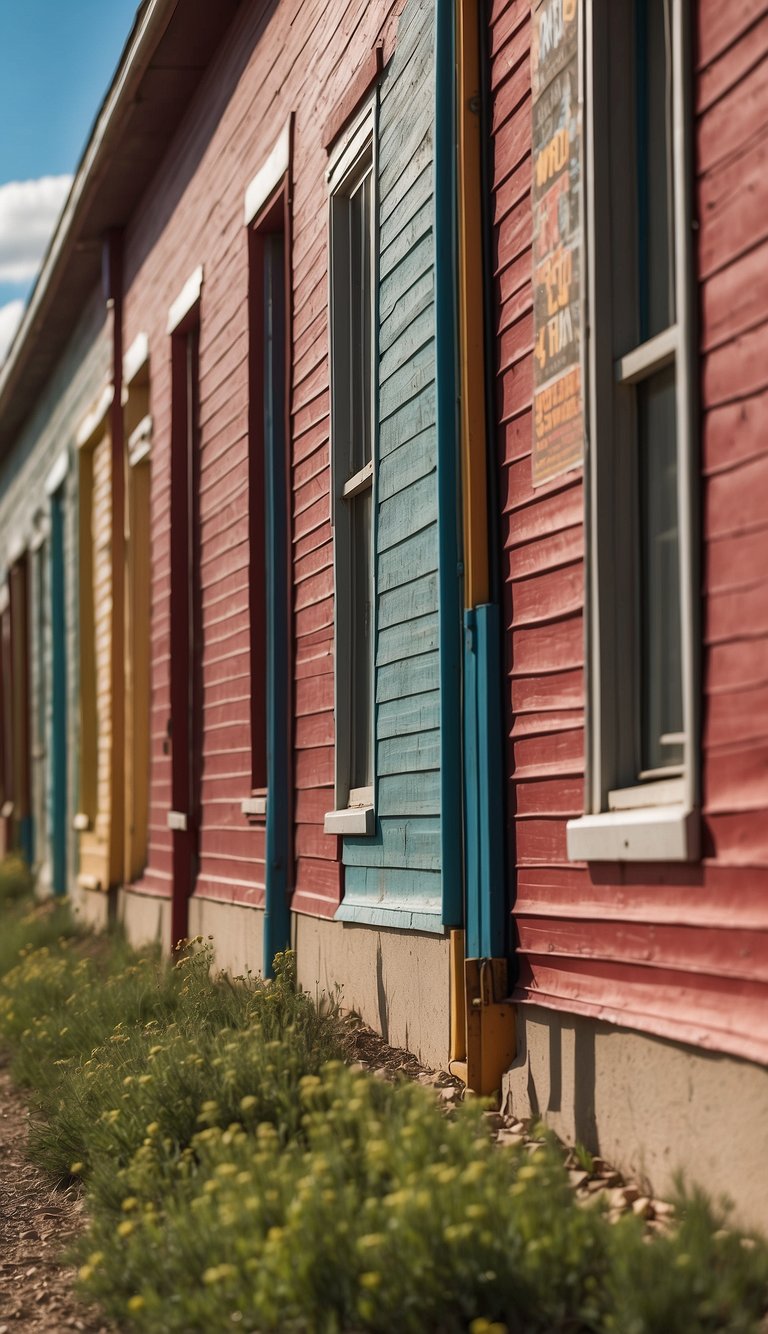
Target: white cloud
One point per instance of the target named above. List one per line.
(10, 318)
(28, 213)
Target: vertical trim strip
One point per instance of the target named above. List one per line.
(448, 499)
(58, 772)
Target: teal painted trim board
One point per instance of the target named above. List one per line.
(486, 923)
(448, 475)
(411, 918)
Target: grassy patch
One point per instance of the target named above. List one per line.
(241, 1176)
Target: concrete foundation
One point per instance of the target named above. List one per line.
(93, 907)
(145, 918)
(649, 1107)
(398, 982)
(237, 930)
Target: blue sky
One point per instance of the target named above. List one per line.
(57, 58)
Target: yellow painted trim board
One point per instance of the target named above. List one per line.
(137, 682)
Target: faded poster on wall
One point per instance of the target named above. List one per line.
(558, 433)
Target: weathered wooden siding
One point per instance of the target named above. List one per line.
(77, 381)
(680, 951)
(296, 56)
(400, 868)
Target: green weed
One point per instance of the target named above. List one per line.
(241, 1176)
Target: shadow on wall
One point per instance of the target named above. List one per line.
(545, 1084)
(381, 994)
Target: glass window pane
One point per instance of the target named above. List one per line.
(359, 221)
(661, 658)
(656, 274)
(361, 768)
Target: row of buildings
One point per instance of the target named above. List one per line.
(383, 481)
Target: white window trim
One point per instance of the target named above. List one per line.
(669, 831)
(93, 423)
(140, 442)
(351, 144)
(186, 300)
(355, 812)
(254, 805)
(267, 179)
(135, 359)
(57, 474)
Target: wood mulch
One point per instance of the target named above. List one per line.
(37, 1224)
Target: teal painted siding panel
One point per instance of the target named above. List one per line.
(399, 869)
(405, 603)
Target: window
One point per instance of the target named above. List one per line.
(352, 414)
(642, 735)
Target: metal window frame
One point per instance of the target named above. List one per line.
(637, 830)
(351, 159)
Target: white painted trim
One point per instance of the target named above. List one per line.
(188, 298)
(352, 157)
(40, 533)
(666, 792)
(351, 144)
(649, 834)
(359, 482)
(177, 820)
(354, 820)
(610, 665)
(267, 179)
(57, 473)
(135, 358)
(140, 441)
(254, 805)
(90, 424)
(16, 548)
(649, 357)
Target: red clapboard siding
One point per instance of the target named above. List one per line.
(680, 951)
(298, 57)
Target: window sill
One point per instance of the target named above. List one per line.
(418, 916)
(254, 806)
(358, 820)
(646, 834)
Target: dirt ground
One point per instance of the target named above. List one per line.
(36, 1225)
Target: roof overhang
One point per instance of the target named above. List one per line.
(168, 50)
